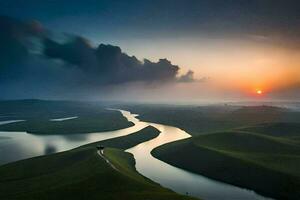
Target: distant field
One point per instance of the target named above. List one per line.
(92, 117)
(265, 161)
(82, 174)
(198, 120)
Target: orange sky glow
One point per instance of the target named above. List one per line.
(240, 65)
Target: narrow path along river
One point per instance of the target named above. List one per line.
(20, 145)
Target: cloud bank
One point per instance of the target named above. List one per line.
(32, 59)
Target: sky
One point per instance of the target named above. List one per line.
(234, 48)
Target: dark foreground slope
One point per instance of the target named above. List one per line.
(266, 163)
(82, 174)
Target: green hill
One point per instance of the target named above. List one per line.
(82, 174)
(282, 129)
(267, 164)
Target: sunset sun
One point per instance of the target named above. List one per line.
(259, 92)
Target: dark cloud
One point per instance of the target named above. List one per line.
(77, 52)
(15, 39)
(188, 77)
(108, 63)
(32, 59)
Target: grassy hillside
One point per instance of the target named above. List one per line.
(285, 130)
(126, 142)
(256, 147)
(265, 163)
(92, 117)
(82, 174)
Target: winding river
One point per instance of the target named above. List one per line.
(19, 145)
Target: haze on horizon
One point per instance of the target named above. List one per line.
(215, 51)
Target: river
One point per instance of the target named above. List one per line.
(19, 145)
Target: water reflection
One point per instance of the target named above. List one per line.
(50, 149)
(63, 119)
(75, 137)
(25, 145)
(180, 180)
(10, 121)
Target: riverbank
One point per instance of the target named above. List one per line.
(128, 141)
(263, 163)
(81, 173)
